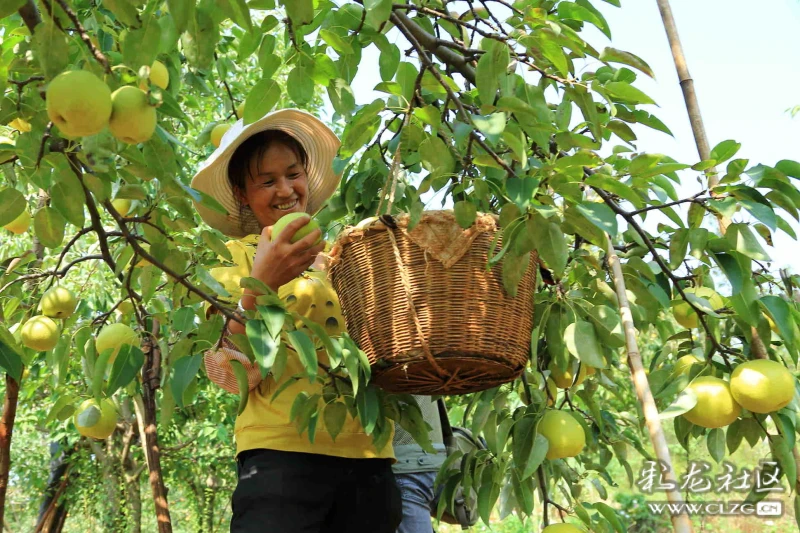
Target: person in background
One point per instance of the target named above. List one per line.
(278, 165)
(415, 470)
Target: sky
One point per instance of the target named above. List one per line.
(745, 62)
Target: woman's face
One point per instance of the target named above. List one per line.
(277, 185)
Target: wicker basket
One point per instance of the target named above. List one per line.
(424, 309)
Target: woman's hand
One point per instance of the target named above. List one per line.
(280, 261)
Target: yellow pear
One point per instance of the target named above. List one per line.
(20, 224)
(78, 103)
(683, 364)
(94, 420)
(159, 76)
(310, 226)
(563, 432)
(217, 132)
(58, 302)
(762, 386)
(686, 316)
(114, 336)
(133, 119)
(122, 205)
(240, 110)
(125, 307)
(564, 379)
(715, 406)
(40, 333)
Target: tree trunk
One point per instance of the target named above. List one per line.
(53, 510)
(150, 383)
(6, 429)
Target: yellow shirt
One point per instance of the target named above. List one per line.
(265, 423)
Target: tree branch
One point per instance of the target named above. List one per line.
(30, 15)
(98, 55)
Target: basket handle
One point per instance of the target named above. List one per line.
(404, 278)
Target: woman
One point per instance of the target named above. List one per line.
(278, 165)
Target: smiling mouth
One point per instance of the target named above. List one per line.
(286, 206)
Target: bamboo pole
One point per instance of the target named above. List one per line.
(687, 86)
(690, 99)
(681, 522)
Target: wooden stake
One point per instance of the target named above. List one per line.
(680, 522)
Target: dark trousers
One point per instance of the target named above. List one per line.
(288, 492)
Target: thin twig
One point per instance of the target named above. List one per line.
(98, 55)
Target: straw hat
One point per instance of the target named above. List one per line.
(319, 142)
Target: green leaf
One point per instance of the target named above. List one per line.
(264, 346)
(581, 341)
(625, 91)
(715, 441)
(491, 66)
(300, 11)
(600, 215)
(69, 200)
(62, 409)
(209, 281)
(678, 246)
(9, 7)
(51, 47)
(551, 245)
(491, 126)
(488, 493)
(514, 267)
(124, 11)
(732, 270)
(49, 226)
(334, 416)
(200, 39)
(89, 416)
(378, 12)
(12, 204)
(184, 371)
(300, 86)
(781, 314)
(610, 514)
(789, 167)
(734, 436)
(465, 212)
(305, 349)
(141, 45)
(685, 402)
(273, 316)
(261, 99)
(388, 62)
(336, 41)
(125, 368)
(182, 12)
(10, 359)
(520, 190)
(584, 13)
(436, 157)
(744, 242)
(724, 151)
(241, 14)
(612, 55)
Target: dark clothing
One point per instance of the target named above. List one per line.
(290, 492)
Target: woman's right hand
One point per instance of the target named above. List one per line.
(280, 261)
